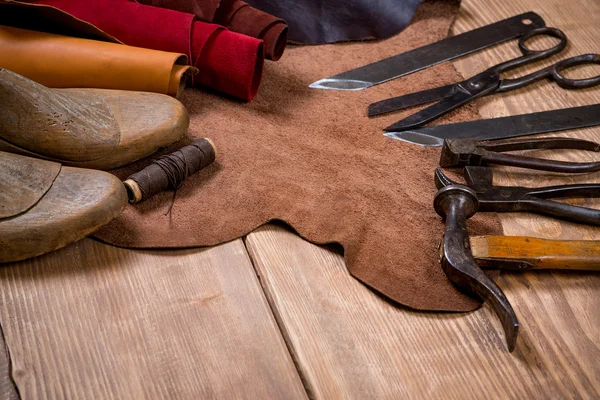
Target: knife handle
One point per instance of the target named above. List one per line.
(539, 253)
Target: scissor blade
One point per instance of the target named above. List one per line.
(409, 100)
(434, 111)
(504, 127)
(432, 54)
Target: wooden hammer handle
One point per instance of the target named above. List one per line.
(541, 253)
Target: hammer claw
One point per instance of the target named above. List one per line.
(441, 180)
(457, 203)
(469, 276)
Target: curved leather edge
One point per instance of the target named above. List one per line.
(179, 78)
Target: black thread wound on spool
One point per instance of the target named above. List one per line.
(171, 170)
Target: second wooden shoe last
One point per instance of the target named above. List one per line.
(45, 206)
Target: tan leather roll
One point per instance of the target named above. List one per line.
(68, 62)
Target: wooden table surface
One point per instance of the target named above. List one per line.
(273, 316)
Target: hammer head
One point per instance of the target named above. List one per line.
(456, 203)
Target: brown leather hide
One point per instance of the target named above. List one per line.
(313, 159)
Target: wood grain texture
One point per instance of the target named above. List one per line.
(78, 202)
(8, 390)
(94, 321)
(349, 343)
(583, 255)
(23, 182)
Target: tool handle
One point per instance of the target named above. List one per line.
(549, 143)
(555, 72)
(538, 253)
(530, 55)
(568, 212)
(491, 157)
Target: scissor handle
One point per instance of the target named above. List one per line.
(530, 55)
(555, 72)
(569, 83)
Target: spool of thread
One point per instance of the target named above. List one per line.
(169, 171)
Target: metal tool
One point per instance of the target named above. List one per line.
(456, 203)
(432, 54)
(505, 127)
(526, 253)
(521, 199)
(462, 152)
(487, 82)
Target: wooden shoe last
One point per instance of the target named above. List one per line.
(45, 206)
(90, 128)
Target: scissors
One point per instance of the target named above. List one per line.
(487, 82)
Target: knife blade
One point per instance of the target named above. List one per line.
(504, 127)
(432, 54)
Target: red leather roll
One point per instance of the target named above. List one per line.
(228, 62)
(241, 17)
(236, 15)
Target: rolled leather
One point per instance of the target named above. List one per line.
(227, 61)
(68, 62)
(236, 15)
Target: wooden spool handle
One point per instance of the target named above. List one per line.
(541, 253)
(133, 189)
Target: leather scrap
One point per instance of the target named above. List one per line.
(329, 21)
(228, 62)
(62, 61)
(313, 159)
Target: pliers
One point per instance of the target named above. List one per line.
(517, 199)
(463, 152)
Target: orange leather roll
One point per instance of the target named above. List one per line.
(68, 62)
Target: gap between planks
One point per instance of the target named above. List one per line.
(285, 334)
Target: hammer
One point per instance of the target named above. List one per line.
(461, 258)
(457, 203)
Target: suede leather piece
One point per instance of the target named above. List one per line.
(313, 159)
(235, 60)
(236, 15)
(329, 21)
(83, 63)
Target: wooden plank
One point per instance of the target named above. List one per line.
(350, 343)
(8, 390)
(94, 321)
